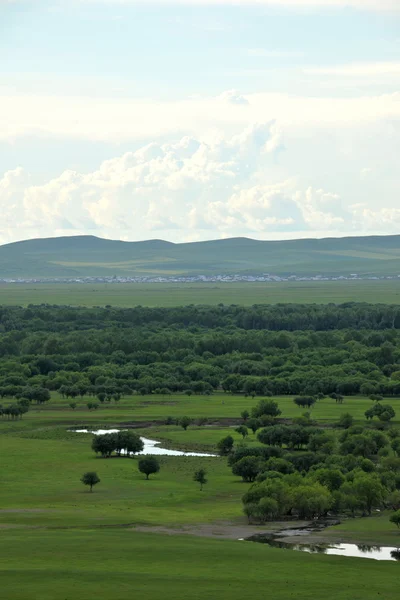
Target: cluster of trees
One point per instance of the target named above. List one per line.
(110, 353)
(121, 442)
(307, 471)
(15, 411)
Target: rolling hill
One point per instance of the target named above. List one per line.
(80, 256)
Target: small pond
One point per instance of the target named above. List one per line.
(350, 550)
(150, 446)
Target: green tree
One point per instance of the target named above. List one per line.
(200, 477)
(91, 479)
(184, 422)
(248, 468)
(268, 408)
(305, 401)
(242, 430)
(370, 491)
(128, 441)
(225, 445)
(254, 425)
(345, 421)
(148, 465)
(73, 405)
(245, 415)
(395, 518)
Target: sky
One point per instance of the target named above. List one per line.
(189, 120)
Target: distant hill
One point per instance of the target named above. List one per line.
(80, 256)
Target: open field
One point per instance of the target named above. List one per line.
(58, 540)
(169, 294)
(119, 564)
(156, 408)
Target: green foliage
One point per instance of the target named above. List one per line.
(395, 518)
(242, 430)
(267, 408)
(200, 477)
(184, 422)
(225, 446)
(248, 468)
(384, 412)
(148, 465)
(91, 479)
(126, 441)
(346, 421)
(305, 401)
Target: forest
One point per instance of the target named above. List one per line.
(109, 353)
(258, 351)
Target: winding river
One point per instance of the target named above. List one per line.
(150, 446)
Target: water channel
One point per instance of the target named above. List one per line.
(150, 446)
(390, 553)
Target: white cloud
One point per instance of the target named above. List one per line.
(267, 53)
(357, 69)
(194, 188)
(376, 5)
(113, 119)
(234, 97)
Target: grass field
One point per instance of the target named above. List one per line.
(60, 541)
(146, 408)
(120, 564)
(168, 294)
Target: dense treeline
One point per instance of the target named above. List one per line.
(302, 350)
(308, 471)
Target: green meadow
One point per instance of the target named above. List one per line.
(61, 541)
(175, 294)
(119, 564)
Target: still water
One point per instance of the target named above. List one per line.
(150, 446)
(351, 550)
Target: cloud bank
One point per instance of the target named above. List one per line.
(192, 188)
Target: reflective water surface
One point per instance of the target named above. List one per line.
(150, 446)
(358, 551)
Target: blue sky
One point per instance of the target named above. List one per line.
(194, 120)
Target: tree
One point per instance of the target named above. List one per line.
(248, 468)
(128, 441)
(305, 401)
(184, 422)
(90, 478)
(149, 465)
(266, 407)
(346, 421)
(73, 405)
(395, 518)
(311, 501)
(384, 412)
(245, 415)
(242, 430)
(254, 425)
(105, 444)
(200, 477)
(330, 478)
(369, 490)
(225, 445)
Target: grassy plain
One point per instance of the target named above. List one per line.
(118, 564)
(170, 294)
(217, 406)
(60, 541)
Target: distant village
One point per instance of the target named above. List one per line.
(237, 278)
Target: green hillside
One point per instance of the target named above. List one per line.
(92, 256)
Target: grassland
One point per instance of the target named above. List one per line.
(169, 294)
(120, 563)
(59, 541)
